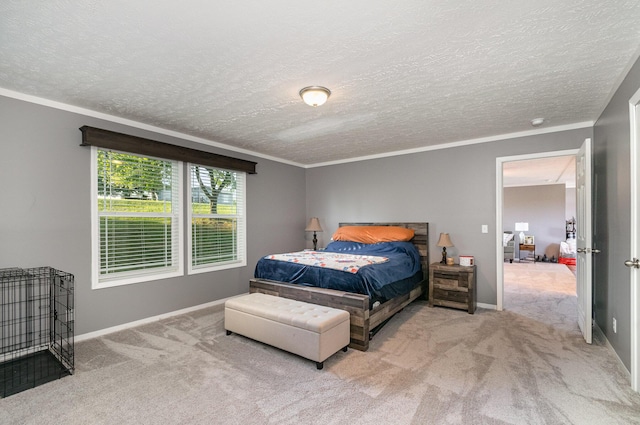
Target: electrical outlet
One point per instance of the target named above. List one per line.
(485, 228)
(615, 327)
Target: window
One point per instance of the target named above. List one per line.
(217, 236)
(138, 207)
(137, 218)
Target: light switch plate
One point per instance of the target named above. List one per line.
(485, 228)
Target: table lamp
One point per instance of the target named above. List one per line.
(522, 227)
(444, 242)
(314, 226)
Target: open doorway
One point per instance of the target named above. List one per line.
(535, 199)
(539, 210)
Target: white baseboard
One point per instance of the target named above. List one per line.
(106, 331)
(101, 332)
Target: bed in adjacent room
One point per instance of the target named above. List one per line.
(568, 252)
(371, 270)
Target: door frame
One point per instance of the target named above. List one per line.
(499, 206)
(634, 229)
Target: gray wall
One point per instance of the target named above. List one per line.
(44, 191)
(543, 207)
(452, 189)
(570, 204)
(612, 216)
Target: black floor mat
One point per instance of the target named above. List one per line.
(29, 371)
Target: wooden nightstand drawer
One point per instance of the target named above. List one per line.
(452, 286)
(449, 279)
(444, 295)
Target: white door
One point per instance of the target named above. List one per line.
(584, 240)
(632, 262)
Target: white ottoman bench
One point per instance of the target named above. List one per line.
(312, 331)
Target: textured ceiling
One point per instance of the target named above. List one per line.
(542, 171)
(403, 75)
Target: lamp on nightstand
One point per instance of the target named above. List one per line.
(444, 242)
(522, 227)
(314, 226)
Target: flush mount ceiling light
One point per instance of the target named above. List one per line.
(315, 95)
(537, 122)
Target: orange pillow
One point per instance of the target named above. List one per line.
(372, 234)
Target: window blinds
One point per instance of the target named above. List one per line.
(217, 213)
(138, 214)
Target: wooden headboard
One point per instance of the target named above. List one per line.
(420, 240)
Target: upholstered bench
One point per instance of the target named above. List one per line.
(312, 331)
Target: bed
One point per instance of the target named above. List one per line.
(568, 252)
(368, 311)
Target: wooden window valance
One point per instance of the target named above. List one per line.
(92, 136)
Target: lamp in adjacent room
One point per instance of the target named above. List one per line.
(522, 227)
(444, 242)
(314, 226)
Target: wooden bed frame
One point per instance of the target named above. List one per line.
(363, 319)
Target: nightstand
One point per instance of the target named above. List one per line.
(529, 248)
(452, 286)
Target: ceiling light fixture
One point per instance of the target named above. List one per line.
(537, 122)
(315, 95)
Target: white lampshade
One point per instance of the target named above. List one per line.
(522, 227)
(315, 95)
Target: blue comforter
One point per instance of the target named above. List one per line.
(380, 281)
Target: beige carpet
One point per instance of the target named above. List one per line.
(527, 365)
(544, 292)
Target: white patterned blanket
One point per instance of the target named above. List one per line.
(333, 260)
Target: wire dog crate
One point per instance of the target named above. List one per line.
(36, 327)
